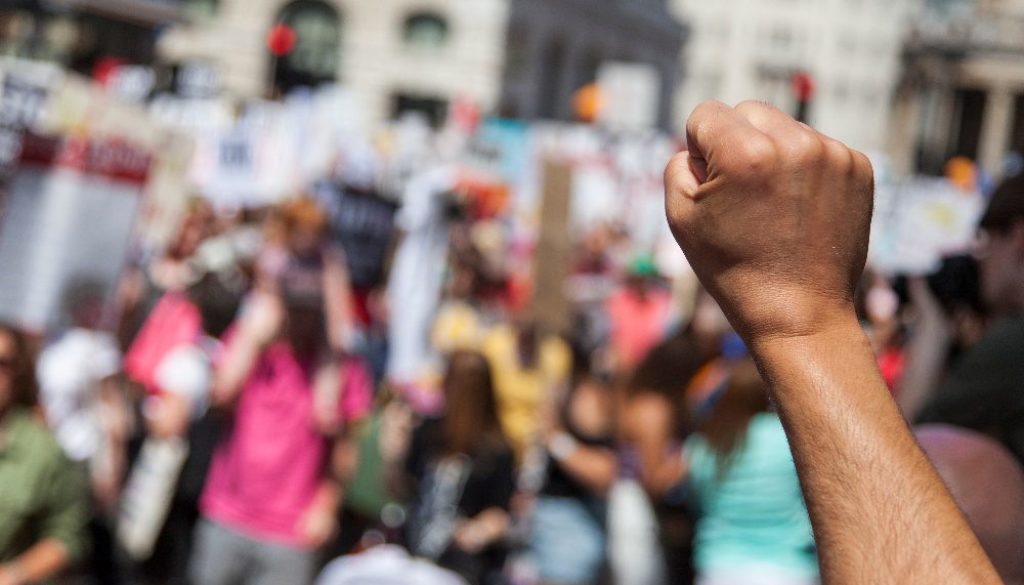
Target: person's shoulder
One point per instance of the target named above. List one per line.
(33, 434)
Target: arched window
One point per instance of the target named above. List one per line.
(315, 57)
(425, 30)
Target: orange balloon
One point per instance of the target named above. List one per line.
(587, 102)
(963, 173)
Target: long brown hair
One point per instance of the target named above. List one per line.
(471, 416)
(745, 396)
(24, 388)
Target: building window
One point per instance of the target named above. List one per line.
(433, 109)
(425, 30)
(315, 57)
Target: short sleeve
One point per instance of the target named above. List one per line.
(185, 371)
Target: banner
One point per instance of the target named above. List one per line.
(363, 224)
(68, 221)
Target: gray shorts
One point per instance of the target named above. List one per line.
(222, 556)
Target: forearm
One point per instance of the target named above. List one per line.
(237, 366)
(595, 468)
(925, 364)
(846, 435)
(41, 562)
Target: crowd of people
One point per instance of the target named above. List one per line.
(244, 419)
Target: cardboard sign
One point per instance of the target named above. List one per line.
(630, 95)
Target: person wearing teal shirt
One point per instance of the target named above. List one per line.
(44, 507)
(753, 526)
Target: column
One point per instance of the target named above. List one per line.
(995, 130)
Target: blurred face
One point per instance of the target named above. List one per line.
(8, 363)
(1001, 268)
(305, 241)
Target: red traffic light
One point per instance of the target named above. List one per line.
(281, 40)
(803, 86)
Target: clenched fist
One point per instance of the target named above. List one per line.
(773, 217)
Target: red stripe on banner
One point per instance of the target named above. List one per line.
(114, 159)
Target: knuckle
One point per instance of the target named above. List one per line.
(804, 148)
(839, 156)
(677, 164)
(704, 111)
(757, 153)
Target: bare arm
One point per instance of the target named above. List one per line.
(926, 353)
(774, 218)
(594, 467)
(260, 324)
(41, 562)
(649, 429)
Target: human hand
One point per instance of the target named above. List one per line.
(773, 217)
(263, 318)
(318, 525)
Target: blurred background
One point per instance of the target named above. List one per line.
(353, 291)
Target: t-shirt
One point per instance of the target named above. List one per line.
(69, 371)
(520, 391)
(754, 513)
(637, 324)
(42, 495)
(985, 391)
(453, 488)
(267, 470)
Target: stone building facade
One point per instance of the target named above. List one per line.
(962, 93)
(521, 57)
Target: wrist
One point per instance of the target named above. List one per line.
(840, 322)
(561, 445)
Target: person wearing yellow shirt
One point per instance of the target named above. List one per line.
(529, 369)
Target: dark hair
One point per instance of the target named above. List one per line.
(1005, 206)
(668, 368)
(217, 301)
(24, 385)
(745, 395)
(470, 421)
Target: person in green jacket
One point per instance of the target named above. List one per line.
(44, 507)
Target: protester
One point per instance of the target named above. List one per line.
(176, 419)
(739, 467)
(649, 530)
(85, 405)
(530, 367)
(982, 390)
(640, 313)
(460, 472)
(272, 496)
(785, 272)
(79, 392)
(43, 502)
(568, 521)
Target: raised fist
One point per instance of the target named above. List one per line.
(773, 217)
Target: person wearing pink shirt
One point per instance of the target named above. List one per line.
(272, 495)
